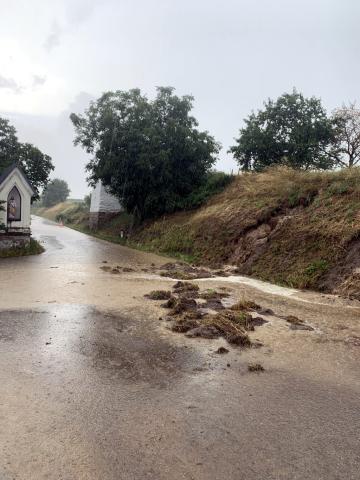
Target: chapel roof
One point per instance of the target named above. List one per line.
(5, 173)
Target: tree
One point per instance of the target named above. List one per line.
(9, 144)
(345, 149)
(36, 165)
(57, 191)
(293, 131)
(87, 200)
(150, 154)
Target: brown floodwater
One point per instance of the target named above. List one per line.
(94, 386)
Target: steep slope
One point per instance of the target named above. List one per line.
(294, 228)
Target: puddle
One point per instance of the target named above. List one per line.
(127, 347)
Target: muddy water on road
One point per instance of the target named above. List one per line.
(93, 384)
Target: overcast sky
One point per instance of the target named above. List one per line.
(56, 55)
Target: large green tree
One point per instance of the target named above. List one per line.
(293, 130)
(36, 165)
(150, 154)
(57, 191)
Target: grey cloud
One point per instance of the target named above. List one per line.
(79, 12)
(54, 135)
(10, 84)
(231, 55)
(38, 80)
(53, 39)
(79, 104)
(76, 14)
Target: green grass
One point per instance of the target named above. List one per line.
(33, 249)
(113, 238)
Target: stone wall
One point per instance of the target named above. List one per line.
(13, 241)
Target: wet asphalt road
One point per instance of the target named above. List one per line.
(94, 387)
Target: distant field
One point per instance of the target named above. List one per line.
(71, 211)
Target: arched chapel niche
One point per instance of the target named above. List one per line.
(14, 205)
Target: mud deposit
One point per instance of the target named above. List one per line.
(202, 314)
(176, 270)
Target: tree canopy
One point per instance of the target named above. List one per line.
(36, 165)
(345, 149)
(57, 191)
(150, 154)
(293, 130)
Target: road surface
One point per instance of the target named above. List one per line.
(93, 386)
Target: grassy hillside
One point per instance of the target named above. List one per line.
(294, 228)
(300, 229)
(71, 212)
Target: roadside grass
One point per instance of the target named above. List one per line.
(123, 222)
(33, 249)
(113, 238)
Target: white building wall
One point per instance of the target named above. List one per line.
(16, 179)
(102, 201)
(95, 198)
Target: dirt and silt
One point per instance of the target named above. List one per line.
(94, 385)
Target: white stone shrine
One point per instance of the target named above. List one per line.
(103, 206)
(15, 197)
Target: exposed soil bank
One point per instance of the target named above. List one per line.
(298, 229)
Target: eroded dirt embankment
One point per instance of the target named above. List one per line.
(299, 229)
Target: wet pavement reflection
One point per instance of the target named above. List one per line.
(78, 336)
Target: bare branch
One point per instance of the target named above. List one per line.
(346, 146)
